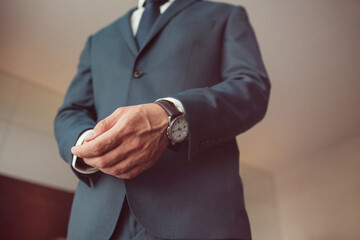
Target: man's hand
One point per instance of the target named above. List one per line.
(127, 142)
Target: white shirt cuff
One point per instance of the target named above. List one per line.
(86, 170)
(176, 102)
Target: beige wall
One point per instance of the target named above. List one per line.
(261, 203)
(319, 196)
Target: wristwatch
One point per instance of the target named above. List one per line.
(178, 129)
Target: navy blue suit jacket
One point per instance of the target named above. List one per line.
(204, 54)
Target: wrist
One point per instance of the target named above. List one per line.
(177, 129)
(159, 116)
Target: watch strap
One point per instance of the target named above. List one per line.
(169, 108)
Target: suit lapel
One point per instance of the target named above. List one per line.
(125, 26)
(164, 18)
(126, 32)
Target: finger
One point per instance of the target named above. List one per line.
(90, 135)
(103, 126)
(116, 171)
(99, 146)
(109, 159)
(133, 166)
(128, 163)
(133, 172)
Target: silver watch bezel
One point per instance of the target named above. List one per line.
(171, 123)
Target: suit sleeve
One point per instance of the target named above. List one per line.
(77, 113)
(220, 112)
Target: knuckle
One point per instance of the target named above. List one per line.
(131, 176)
(104, 143)
(144, 157)
(118, 110)
(96, 149)
(125, 174)
(122, 170)
(128, 175)
(126, 121)
(138, 109)
(117, 171)
(136, 143)
(101, 124)
(111, 141)
(128, 165)
(135, 173)
(102, 162)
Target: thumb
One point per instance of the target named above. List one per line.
(90, 136)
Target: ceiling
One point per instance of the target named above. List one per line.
(310, 48)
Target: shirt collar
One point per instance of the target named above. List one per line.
(141, 3)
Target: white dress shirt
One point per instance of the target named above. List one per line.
(134, 21)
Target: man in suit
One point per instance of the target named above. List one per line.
(154, 109)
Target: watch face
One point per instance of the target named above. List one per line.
(179, 129)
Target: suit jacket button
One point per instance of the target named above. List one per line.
(137, 74)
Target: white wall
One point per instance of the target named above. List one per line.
(27, 146)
